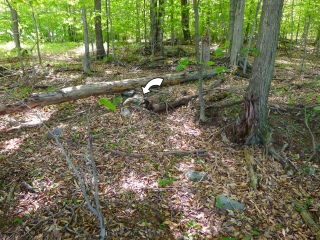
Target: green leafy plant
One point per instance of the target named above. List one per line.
(107, 103)
(183, 63)
(17, 220)
(165, 181)
(254, 51)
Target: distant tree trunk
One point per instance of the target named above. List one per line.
(160, 26)
(86, 58)
(107, 30)
(156, 25)
(237, 38)
(138, 34)
(145, 22)
(153, 25)
(98, 30)
(318, 43)
(292, 25)
(16, 35)
(37, 33)
(196, 29)
(298, 29)
(115, 60)
(251, 36)
(185, 21)
(232, 14)
(172, 36)
(306, 33)
(205, 57)
(253, 124)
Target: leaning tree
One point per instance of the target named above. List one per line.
(253, 124)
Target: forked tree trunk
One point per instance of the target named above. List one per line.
(253, 125)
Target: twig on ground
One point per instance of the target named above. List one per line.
(200, 153)
(314, 146)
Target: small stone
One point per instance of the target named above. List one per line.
(137, 100)
(128, 93)
(227, 203)
(56, 132)
(124, 111)
(195, 176)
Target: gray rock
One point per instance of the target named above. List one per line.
(128, 93)
(227, 203)
(195, 176)
(56, 132)
(124, 111)
(137, 100)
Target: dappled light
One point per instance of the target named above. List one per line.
(160, 120)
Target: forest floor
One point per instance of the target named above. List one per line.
(150, 197)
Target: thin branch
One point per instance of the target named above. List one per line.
(314, 146)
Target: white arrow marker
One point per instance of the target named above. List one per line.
(156, 81)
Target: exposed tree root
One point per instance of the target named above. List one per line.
(248, 153)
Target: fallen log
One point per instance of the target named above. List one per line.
(158, 107)
(95, 89)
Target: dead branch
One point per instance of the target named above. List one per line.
(95, 89)
(200, 153)
(158, 107)
(248, 153)
(286, 165)
(225, 105)
(306, 216)
(314, 146)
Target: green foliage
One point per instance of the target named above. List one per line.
(165, 181)
(107, 103)
(316, 109)
(220, 69)
(254, 51)
(17, 220)
(183, 63)
(117, 100)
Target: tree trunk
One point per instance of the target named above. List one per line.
(37, 33)
(98, 30)
(251, 36)
(306, 33)
(138, 34)
(153, 25)
(196, 29)
(237, 38)
(95, 89)
(16, 35)
(156, 25)
(232, 14)
(107, 30)
(115, 60)
(86, 58)
(185, 21)
(205, 57)
(254, 123)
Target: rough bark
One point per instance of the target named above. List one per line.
(185, 21)
(95, 89)
(232, 13)
(156, 25)
(254, 122)
(237, 37)
(16, 35)
(98, 30)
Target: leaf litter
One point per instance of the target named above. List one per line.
(149, 197)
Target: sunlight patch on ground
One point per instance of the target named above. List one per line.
(11, 144)
(134, 182)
